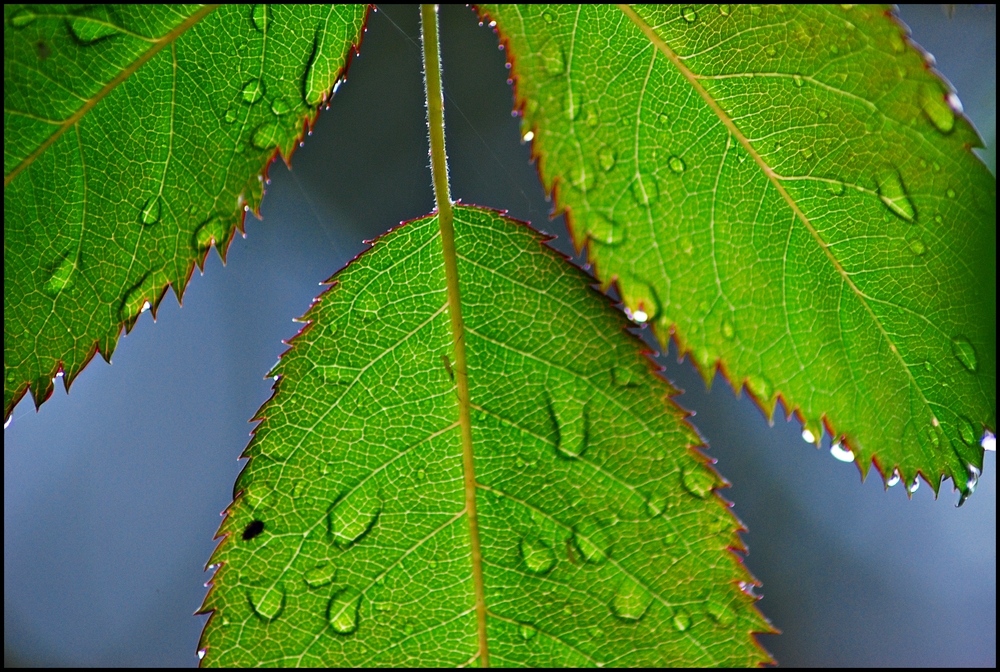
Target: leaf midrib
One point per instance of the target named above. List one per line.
(772, 176)
(127, 72)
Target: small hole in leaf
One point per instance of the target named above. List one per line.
(253, 529)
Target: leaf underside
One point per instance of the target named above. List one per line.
(348, 541)
(790, 193)
(133, 141)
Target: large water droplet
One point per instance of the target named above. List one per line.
(606, 157)
(698, 481)
(151, 210)
(605, 230)
(553, 59)
(593, 541)
(210, 232)
(320, 576)
(897, 42)
(677, 164)
(267, 602)
(841, 452)
(259, 16)
(914, 486)
(267, 135)
(528, 632)
(88, 30)
(630, 601)
(344, 612)
(689, 14)
(252, 91)
(964, 352)
(62, 276)
(353, 517)
(23, 17)
(624, 377)
(571, 421)
(972, 480)
(538, 557)
(894, 479)
(682, 621)
(934, 103)
(892, 192)
(720, 613)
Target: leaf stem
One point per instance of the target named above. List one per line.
(439, 172)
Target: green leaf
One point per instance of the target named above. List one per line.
(133, 139)
(350, 540)
(788, 191)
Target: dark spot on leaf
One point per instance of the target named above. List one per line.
(253, 529)
(43, 49)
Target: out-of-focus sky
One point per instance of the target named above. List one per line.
(112, 493)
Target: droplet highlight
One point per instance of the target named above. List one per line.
(630, 601)
(689, 14)
(607, 158)
(917, 247)
(527, 632)
(344, 612)
(151, 210)
(593, 541)
(353, 517)
(893, 194)
(267, 603)
(62, 276)
(88, 30)
(967, 431)
(624, 377)
(676, 164)
(964, 352)
(893, 479)
(252, 91)
(841, 452)
(682, 621)
(972, 481)
(553, 60)
(22, 18)
(267, 135)
(208, 233)
(259, 17)
(538, 557)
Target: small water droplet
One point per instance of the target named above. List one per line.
(917, 247)
(894, 479)
(808, 436)
(797, 80)
(682, 621)
(645, 190)
(353, 517)
(259, 16)
(267, 602)
(548, 16)
(88, 30)
(728, 331)
(528, 632)
(201, 654)
(841, 452)
(720, 613)
(893, 194)
(344, 612)
(136, 300)
(689, 14)
(605, 230)
(967, 431)
(725, 10)
(677, 164)
(421, 474)
(950, 193)
(151, 211)
(624, 377)
(914, 486)
(267, 135)
(972, 480)
(230, 115)
(656, 505)
(282, 106)
(62, 276)
(252, 91)
(630, 601)
(964, 352)
(606, 157)
(22, 18)
(760, 387)
(593, 541)
(698, 481)
(989, 441)
(320, 575)
(538, 557)
(592, 119)
(553, 60)
(934, 103)
(528, 137)
(210, 232)
(570, 416)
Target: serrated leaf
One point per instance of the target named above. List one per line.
(350, 541)
(788, 191)
(133, 139)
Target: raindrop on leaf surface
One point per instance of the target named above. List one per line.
(320, 576)
(967, 431)
(267, 603)
(22, 18)
(841, 452)
(964, 352)
(720, 613)
(689, 14)
(934, 103)
(209, 232)
(698, 481)
(259, 16)
(252, 91)
(606, 157)
(527, 632)
(344, 612)
(88, 30)
(682, 621)
(151, 211)
(538, 557)
(353, 517)
(677, 164)
(571, 420)
(893, 194)
(267, 135)
(62, 276)
(630, 601)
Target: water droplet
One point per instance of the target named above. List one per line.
(894, 479)
(834, 49)
(914, 486)
(728, 331)
(677, 164)
(808, 436)
(689, 14)
(934, 103)
(798, 81)
(571, 424)
(823, 114)
(656, 505)
(630, 601)
(344, 612)
(282, 106)
(230, 115)
(698, 481)
(964, 352)
(760, 387)
(582, 178)
(624, 377)
(538, 557)
(151, 211)
(421, 474)
(528, 632)
(252, 91)
(950, 193)
(210, 232)
(645, 190)
(592, 119)
(259, 15)
(989, 441)
(353, 517)
(639, 316)
(22, 17)
(320, 575)
(605, 230)
(201, 654)
(682, 621)
(897, 42)
(725, 10)
(62, 276)
(553, 60)
(88, 30)
(720, 613)
(548, 16)
(267, 602)
(892, 192)
(606, 157)
(136, 300)
(267, 135)
(663, 119)
(917, 247)
(967, 431)
(973, 473)
(528, 137)
(841, 452)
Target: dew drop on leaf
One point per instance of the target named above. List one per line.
(645, 190)
(606, 157)
(528, 632)
(259, 17)
(230, 115)
(606, 230)
(894, 479)
(897, 42)
(728, 331)
(689, 14)
(62, 276)
(914, 486)
(797, 80)
(964, 352)
(137, 298)
(760, 387)
(267, 603)
(950, 193)
(624, 377)
(677, 164)
(552, 59)
(267, 135)
(725, 10)
(252, 91)
(841, 452)
(88, 30)
(835, 188)
(23, 17)
(548, 16)
(320, 576)
(208, 233)
(420, 474)
(682, 621)
(893, 194)
(571, 423)
(967, 431)
(353, 517)
(971, 482)
(720, 613)
(344, 612)
(151, 210)
(934, 103)
(281, 106)
(917, 247)
(630, 601)
(698, 481)
(593, 541)
(538, 557)
(655, 505)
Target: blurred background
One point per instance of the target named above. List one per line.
(112, 493)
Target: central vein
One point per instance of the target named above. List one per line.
(439, 171)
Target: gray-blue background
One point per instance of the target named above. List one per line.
(112, 493)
